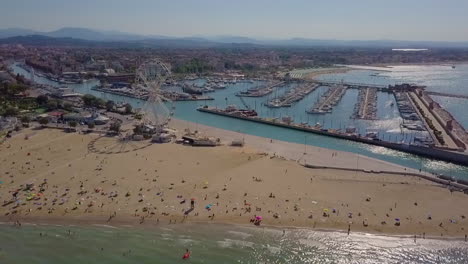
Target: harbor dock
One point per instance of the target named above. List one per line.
(143, 95)
(293, 95)
(328, 100)
(260, 91)
(366, 106)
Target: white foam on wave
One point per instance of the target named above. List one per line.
(274, 250)
(230, 243)
(186, 241)
(106, 226)
(243, 235)
(312, 243)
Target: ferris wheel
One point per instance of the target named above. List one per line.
(150, 76)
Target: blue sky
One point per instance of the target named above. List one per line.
(325, 19)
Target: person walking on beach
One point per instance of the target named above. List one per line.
(349, 228)
(192, 203)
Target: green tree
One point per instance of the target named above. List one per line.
(9, 90)
(72, 123)
(128, 109)
(115, 127)
(89, 100)
(52, 105)
(25, 119)
(67, 106)
(110, 105)
(91, 125)
(42, 99)
(11, 111)
(43, 121)
(99, 103)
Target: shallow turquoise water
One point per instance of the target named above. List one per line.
(339, 118)
(212, 243)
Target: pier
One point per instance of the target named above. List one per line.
(330, 99)
(447, 95)
(260, 92)
(293, 95)
(366, 106)
(351, 85)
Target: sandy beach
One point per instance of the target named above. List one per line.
(51, 176)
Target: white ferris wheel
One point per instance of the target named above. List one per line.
(150, 76)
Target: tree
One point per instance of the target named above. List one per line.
(72, 123)
(67, 106)
(42, 99)
(110, 105)
(91, 125)
(52, 105)
(89, 100)
(43, 121)
(115, 127)
(100, 103)
(25, 119)
(128, 109)
(92, 101)
(9, 90)
(11, 111)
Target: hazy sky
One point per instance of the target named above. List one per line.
(327, 19)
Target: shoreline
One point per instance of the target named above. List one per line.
(87, 222)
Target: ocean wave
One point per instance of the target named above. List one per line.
(240, 234)
(106, 226)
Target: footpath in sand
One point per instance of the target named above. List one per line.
(54, 177)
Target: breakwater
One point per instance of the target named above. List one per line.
(432, 153)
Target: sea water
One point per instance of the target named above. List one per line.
(436, 78)
(215, 243)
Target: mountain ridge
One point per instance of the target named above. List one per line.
(117, 36)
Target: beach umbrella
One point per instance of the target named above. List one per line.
(193, 199)
(325, 210)
(258, 217)
(397, 219)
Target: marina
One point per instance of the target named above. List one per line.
(330, 99)
(366, 106)
(292, 96)
(143, 95)
(338, 119)
(261, 90)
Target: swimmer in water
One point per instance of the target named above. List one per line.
(187, 254)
